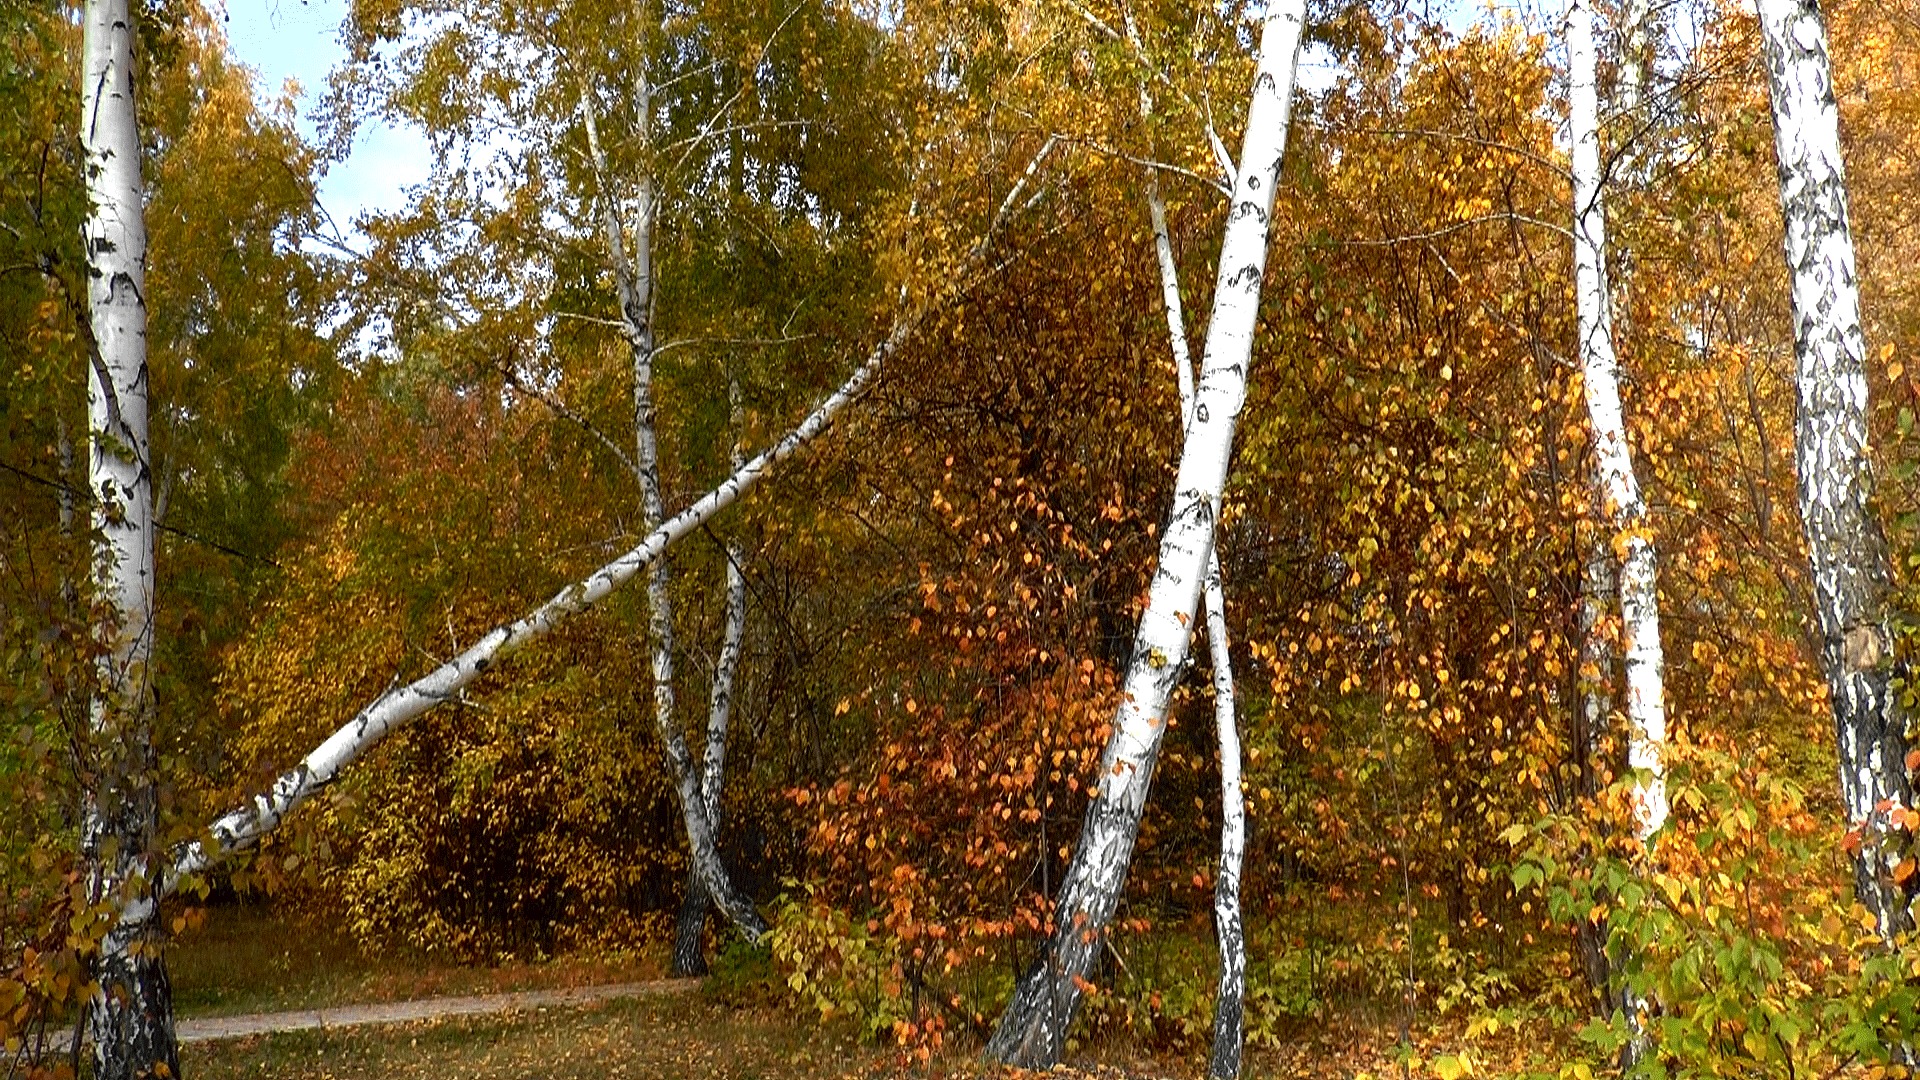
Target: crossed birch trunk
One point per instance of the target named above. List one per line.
(1032, 1032)
(690, 925)
(1229, 1012)
(246, 825)
(1229, 1009)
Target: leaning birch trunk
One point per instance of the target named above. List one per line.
(1591, 724)
(1032, 1032)
(245, 826)
(130, 1016)
(1229, 1012)
(689, 957)
(1619, 488)
(1598, 580)
(1621, 560)
(1848, 552)
(1229, 1009)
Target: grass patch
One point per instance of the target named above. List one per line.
(247, 958)
(740, 1025)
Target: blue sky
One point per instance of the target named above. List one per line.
(288, 39)
(292, 39)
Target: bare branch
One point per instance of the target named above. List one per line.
(1541, 160)
(1154, 72)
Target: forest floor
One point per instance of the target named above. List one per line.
(246, 958)
(499, 1021)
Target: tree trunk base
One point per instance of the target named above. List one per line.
(690, 931)
(131, 1020)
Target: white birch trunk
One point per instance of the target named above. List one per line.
(1032, 1032)
(1636, 61)
(1848, 552)
(1619, 488)
(130, 1017)
(1598, 581)
(1229, 1010)
(690, 927)
(634, 286)
(247, 825)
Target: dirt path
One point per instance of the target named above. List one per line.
(212, 1028)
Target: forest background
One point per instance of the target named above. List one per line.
(368, 450)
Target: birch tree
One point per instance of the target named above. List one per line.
(690, 925)
(1229, 1027)
(1619, 488)
(634, 284)
(1032, 1032)
(130, 1017)
(1845, 546)
(246, 825)
(1599, 583)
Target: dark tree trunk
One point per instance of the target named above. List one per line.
(131, 1020)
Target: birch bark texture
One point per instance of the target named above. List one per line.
(1832, 459)
(1599, 582)
(690, 925)
(1620, 494)
(130, 1016)
(1032, 1032)
(1229, 1008)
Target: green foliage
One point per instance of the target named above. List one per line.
(1738, 931)
(840, 967)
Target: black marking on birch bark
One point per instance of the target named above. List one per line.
(1846, 548)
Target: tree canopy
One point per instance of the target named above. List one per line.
(376, 445)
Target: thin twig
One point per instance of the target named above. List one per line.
(707, 129)
(1445, 230)
(1148, 163)
(679, 343)
(1451, 136)
(83, 494)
